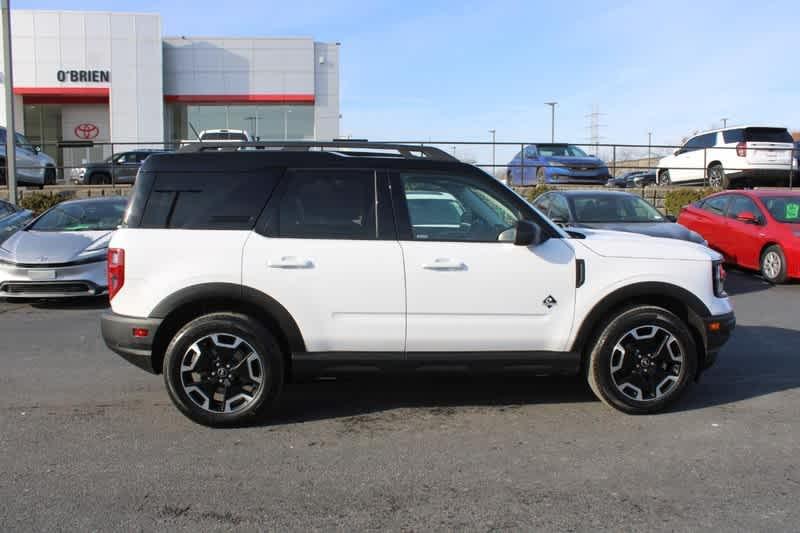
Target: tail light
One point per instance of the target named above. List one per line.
(116, 271)
(718, 276)
(741, 149)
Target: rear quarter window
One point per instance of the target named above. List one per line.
(203, 200)
(733, 136)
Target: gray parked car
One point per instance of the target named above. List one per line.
(118, 168)
(62, 253)
(611, 210)
(11, 219)
(34, 167)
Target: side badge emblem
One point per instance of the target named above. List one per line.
(549, 302)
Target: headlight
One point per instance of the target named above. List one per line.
(556, 164)
(718, 276)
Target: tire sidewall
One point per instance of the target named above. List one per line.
(600, 365)
(254, 334)
(664, 179)
(781, 277)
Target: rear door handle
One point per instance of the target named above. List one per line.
(290, 262)
(442, 263)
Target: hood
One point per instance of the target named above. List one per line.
(54, 247)
(637, 246)
(588, 161)
(666, 230)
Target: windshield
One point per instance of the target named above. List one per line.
(82, 216)
(224, 136)
(614, 208)
(783, 208)
(560, 150)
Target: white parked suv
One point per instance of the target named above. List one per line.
(236, 271)
(742, 155)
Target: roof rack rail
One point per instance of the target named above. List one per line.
(347, 148)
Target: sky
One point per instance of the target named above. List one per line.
(446, 70)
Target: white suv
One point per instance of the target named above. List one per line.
(742, 155)
(236, 271)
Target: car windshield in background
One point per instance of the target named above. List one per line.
(224, 136)
(783, 208)
(768, 135)
(83, 216)
(435, 211)
(614, 208)
(560, 150)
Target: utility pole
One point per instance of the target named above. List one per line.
(552, 120)
(8, 86)
(649, 149)
(493, 132)
(724, 122)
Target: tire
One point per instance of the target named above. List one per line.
(652, 377)
(100, 178)
(217, 347)
(541, 179)
(717, 177)
(49, 176)
(663, 179)
(773, 264)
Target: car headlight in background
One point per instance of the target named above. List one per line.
(556, 164)
(78, 174)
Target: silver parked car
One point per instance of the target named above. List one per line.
(34, 167)
(62, 253)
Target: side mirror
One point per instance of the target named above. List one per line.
(747, 217)
(528, 234)
(677, 151)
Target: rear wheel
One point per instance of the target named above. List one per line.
(717, 177)
(773, 264)
(223, 369)
(643, 360)
(663, 179)
(100, 178)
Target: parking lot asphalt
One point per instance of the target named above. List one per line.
(87, 441)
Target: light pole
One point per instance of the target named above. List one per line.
(649, 150)
(552, 120)
(724, 122)
(493, 132)
(8, 82)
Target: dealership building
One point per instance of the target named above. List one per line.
(94, 77)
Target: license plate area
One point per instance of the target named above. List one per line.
(42, 274)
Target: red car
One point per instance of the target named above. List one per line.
(759, 229)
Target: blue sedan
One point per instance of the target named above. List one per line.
(11, 219)
(555, 163)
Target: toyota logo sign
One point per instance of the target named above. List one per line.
(86, 131)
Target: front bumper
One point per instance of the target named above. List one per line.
(717, 331)
(118, 334)
(594, 176)
(53, 281)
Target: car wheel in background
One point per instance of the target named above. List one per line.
(717, 177)
(642, 360)
(100, 178)
(49, 176)
(223, 369)
(541, 179)
(773, 264)
(663, 179)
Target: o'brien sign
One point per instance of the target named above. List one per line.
(84, 76)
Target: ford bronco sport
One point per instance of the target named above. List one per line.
(239, 268)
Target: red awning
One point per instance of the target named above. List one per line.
(63, 95)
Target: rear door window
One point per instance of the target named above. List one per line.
(716, 205)
(770, 135)
(733, 136)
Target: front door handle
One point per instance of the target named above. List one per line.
(290, 261)
(443, 263)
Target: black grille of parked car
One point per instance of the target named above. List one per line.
(58, 287)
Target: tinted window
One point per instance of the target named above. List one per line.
(770, 135)
(208, 200)
(733, 136)
(740, 204)
(702, 141)
(224, 136)
(543, 203)
(614, 208)
(559, 210)
(434, 209)
(716, 205)
(329, 204)
(483, 214)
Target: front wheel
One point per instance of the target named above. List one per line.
(224, 369)
(49, 176)
(643, 360)
(773, 264)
